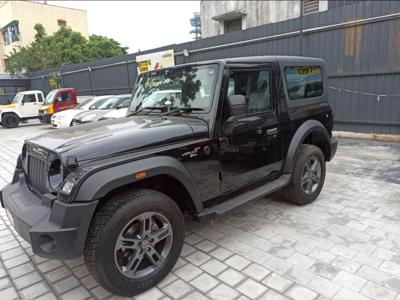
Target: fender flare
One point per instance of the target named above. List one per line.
(301, 133)
(9, 112)
(103, 181)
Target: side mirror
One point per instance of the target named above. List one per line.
(22, 101)
(237, 105)
(119, 106)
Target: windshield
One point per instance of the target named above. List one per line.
(91, 103)
(84, 104)
(49, 98)
(186, 87)
(17, 98)
(110, 103)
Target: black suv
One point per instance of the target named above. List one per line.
(199, 140)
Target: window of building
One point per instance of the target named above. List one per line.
(11, 33)
(303, 82)
(254, 85)
(233, 25)
(310, 6)
(61, 23)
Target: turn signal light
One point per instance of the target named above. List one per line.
(140, 175)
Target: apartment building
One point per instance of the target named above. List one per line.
(18, 18)
(220, 17)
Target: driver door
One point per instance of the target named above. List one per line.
(250, 143)
(30, 106)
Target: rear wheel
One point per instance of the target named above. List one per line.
(10, 121)
(134, 241)
(308, 176)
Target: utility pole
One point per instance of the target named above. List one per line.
(301, 26)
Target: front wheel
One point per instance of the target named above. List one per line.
(134, 241)
(308, 176)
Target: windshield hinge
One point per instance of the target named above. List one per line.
(72, 162)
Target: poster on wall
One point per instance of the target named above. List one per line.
(54, 80)
(154, 61)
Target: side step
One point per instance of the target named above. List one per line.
(257, 193)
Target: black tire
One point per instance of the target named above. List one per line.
(106, 226)
(10, 121)
(295, 191)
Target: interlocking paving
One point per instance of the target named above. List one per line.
(346, 245)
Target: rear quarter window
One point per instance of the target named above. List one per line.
(303, 82)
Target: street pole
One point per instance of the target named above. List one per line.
(301, 26)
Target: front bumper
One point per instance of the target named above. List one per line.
(45, 118)
(54, 229)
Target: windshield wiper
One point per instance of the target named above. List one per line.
(149, 108)
(181, 110)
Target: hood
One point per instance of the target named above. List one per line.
(43, 107)
(68, 113)
(125, 135)
(7, 106)
(91, 115)
(117, 113)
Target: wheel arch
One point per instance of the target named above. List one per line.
(9, 112)
(310, 132)
(161, 173)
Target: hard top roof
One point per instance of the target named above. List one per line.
(29, 92)
(258, 59)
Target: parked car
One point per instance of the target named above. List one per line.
(57, 100)
(82, 99)
(64, 118)
(25, 106)
(113, 103)
(152, 100)
(117, 191)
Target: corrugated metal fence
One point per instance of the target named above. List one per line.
(360, 42)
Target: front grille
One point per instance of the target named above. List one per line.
(37, 173)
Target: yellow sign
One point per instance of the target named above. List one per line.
(144, 66)
(52, 82)
(308, 70)
(155, 61)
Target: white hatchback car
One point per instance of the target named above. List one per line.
(64, 118)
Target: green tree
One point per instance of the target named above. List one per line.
(62, 48)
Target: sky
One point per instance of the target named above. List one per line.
(139, 24)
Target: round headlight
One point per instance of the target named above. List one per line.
(55, 174)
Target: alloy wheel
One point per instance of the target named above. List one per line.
(311, 175)
(143, 245)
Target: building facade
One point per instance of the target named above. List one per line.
(18, 18)
(219, 17)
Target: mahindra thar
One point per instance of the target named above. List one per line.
(198, 140)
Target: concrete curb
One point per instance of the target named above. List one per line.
(367, 136)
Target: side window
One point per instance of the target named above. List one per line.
(31, 98)
(255, 86)
(40, 97)
(125, 103)
(64, 97)
(303, 82)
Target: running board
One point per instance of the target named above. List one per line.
(255, 194)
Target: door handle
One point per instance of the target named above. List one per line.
(272, 131)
